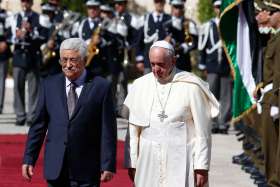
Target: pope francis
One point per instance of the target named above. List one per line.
(168, 143)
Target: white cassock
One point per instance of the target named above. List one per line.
(166, 153)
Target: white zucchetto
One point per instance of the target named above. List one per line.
(163, 44)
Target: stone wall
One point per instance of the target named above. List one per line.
(190, 7)
(14, 5)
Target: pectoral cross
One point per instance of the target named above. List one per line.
(162, 116)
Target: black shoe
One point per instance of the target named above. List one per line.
(20, 123)
(253, 171)
(263, 185)
(260, 182)
(247, 166)
(248, 169)
(223, 131)
(257, 176)
(241, 138)
(29, 123)
(245, 161)
(248, 146)
(215, 130)
(237, 158)
(239, 133)
(223, 128)
(257, 149)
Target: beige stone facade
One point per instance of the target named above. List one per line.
(14, 5)
(191, 10)
(190, 7)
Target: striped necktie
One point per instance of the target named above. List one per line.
(72, 98)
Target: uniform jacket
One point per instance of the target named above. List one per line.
(120, 37)
(27, 52)
(177, 31)
(271, 67)
(4, 34)
(212, 58)
(99, 63)
(147, 35)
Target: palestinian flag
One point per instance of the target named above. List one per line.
(237, 40)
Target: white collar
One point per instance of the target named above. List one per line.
(170, 78)
(177, 22)
(29, 13)
(155, 14)
(217, 20)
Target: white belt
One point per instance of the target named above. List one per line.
(264, 90)
(267, 88)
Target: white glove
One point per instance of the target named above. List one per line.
(274, 112)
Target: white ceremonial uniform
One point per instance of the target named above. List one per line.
(166, 147)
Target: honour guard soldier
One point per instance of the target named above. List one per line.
(152, 30)
(5, 54)
(90, 30)
(269, 103)
(127, 25)
(58, 10)
(50, 50)
(126, 31)
(107, 12)
(214, 62)
(26, 61)
(115, 45)
(60, 15)
(183, 35)
(251, 126)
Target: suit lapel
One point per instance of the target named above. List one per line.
(84, 94)
(62, 93)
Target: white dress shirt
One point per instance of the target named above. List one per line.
(155, 16)
(79, 82)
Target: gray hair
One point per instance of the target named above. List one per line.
(76, 44)
(170, 53)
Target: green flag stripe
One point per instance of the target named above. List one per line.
(228, 26)
(241, 100)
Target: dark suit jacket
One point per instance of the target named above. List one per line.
(88, 137)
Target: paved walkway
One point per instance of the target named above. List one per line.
(223, 173)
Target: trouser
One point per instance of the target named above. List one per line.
(270, 144)
(64, 179)
(119, 88)
(221, 87)
(277, 163)
(253, 121)
(3, 75)
(32, 77)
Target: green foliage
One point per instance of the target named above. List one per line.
(74, 5)
(205, 10)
